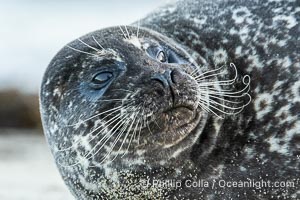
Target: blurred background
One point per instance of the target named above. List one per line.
(31, 32)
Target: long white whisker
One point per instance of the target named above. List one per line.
(201, 77)
(141, 126)
(82, 121)
(138, 29)
(123, 90)
(134, 131)
(123, 33)
(228, 92)
(125, 125)
(148, 126)
(195, 71)
(224, 106)
(91, 47)
(123, 122)
(99, 142)
(136, 127)
(203, 106)
(211, 71)
(111, 99)
(134, 115)
(225, 100)
(91, 54)
(127, 31)
(132, 119)
(98, 43)
(78, 140)
(106, 137)
(219, 110)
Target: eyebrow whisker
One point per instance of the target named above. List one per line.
(127, 31)
(98, 50)
(123, 33)
(138, 29)
(91, 54)
(98, 43)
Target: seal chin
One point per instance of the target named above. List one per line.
(184, 113)
(173, 125)
(189, 119)
(178, 135)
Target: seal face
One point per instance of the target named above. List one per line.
(123, 100)
(118, 90)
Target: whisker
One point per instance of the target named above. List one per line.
(110, 121)
(229, 92)
(214, 70)
(138, 29)
(106, 137)
(141, 126)
(156, 123)
(196, 70)
(80, 51)
(132, 119)
(123, 33)
(127, 31)
(82, 121)
(89, 153)
(111, 100)
(199, 78)
(237, 94)
(224, 106)
(218, 100)
(209, 110)
(148, 126)
(122, 90)
(128, 131)
(225, 100)
(78, 140)
(211, 104)
(136, 128)
(91, 47)
(97, 43)
(122, 124)
(115, 141)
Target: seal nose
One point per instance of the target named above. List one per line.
(167, 81)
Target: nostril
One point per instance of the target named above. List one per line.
(161, 80)
(172, 76)
(160, 90)
(158, 80)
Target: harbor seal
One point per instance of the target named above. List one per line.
(162, 109)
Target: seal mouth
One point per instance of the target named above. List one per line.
(188, 107)
(183, 113)
(187, 125)
(174, 124)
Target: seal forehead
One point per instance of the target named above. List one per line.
(98, 51)
(135, 41)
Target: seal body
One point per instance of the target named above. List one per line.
(262, 39)
(145, 112)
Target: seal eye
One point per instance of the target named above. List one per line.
(102, 79)
(161, 56)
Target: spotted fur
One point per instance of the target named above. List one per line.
(261, 143)
(263, 39)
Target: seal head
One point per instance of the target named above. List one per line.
(121, 98)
